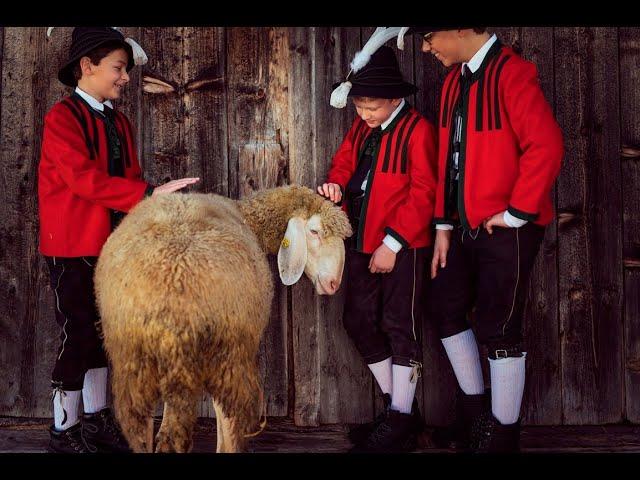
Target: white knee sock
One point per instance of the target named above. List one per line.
(94, 390)
(462, 350)
(403, 389)
(383, 374)
(66, 404)
(507, 388)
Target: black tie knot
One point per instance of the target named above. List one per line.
(109, 113)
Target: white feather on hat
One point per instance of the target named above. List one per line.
(139, 55)
(379, 37)
(401, 34)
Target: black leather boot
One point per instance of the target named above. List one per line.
(102, 430)
(468, 408)
(70, 440)
(393, 435)
(488, 435)
(359, 433)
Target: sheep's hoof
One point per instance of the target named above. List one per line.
(163, 443)
(138, 446)
(167, 444)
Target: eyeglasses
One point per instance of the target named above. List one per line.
(428, 37)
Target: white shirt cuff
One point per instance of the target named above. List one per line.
(444, 226)
(513, 222)
(392, 243)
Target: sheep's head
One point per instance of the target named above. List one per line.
(314, 244)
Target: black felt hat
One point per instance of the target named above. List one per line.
(379, 78)
(86, 39)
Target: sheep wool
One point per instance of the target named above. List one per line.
(184, 291)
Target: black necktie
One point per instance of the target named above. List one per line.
(116, 169)
(115, 165)
(354, 187)
(109, 113)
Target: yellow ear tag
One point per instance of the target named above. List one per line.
(285, 242)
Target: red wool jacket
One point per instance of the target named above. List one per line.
(75, 191)
(511, 146)
(399, 198)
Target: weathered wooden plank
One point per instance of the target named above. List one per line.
(630, 137)
(632, 345)
(205, 126)
(204, 117)
(305, 319)
(161, 129)
(345, 382)
(29, 334)
(542, 403)
(163, 139)
(274, 353)
(590, 241)
(257, 82)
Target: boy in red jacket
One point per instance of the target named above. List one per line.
(384, 172)
(88, 178)
(499, 154)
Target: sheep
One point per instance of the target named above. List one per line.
(184, 291)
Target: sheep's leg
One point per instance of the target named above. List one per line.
(178, 422)
(134, 404)
(230, 439)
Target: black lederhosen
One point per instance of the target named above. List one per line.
(81, 347)
(492, 273)
(382, 309)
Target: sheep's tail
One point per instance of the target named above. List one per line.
(263, 419)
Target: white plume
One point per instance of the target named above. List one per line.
(379, 38)
(49, 30)
(139, 57)
(340, 94)
(401, 34)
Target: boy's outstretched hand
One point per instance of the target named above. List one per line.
(174, 185)
(331, 190)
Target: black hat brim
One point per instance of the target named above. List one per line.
(400, 90)
(434, 28)
(65, 74)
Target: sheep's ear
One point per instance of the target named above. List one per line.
(292, 255)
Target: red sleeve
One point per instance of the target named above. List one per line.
(442, 160)
(439, 217)
(414, 216)
(539, 138)
(342, 164)
(64, 145)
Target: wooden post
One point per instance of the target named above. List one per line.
(257, 81)
(542, 403)
(630, 157)
(589, 230)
